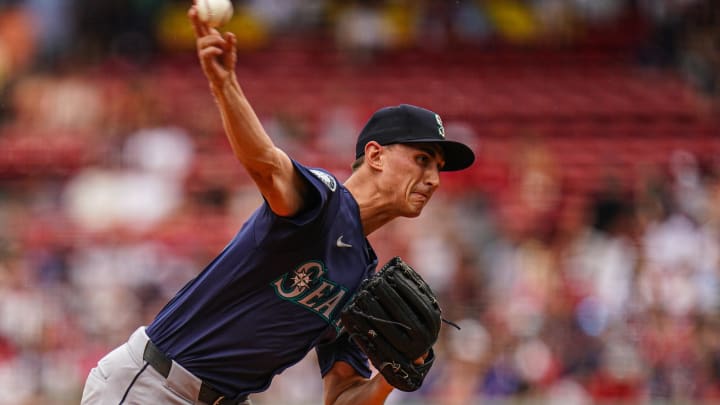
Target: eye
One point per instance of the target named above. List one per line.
(423, 160)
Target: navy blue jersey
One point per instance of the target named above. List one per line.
(272, 295)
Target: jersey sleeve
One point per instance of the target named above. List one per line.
(342, 349)
(321, 202)
(323, 187)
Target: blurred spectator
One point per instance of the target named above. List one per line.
(18, 40)
(53, 20)
(601, 265)
(284, 15)
(680, 274)
(470, 23)
(362, 29)
(513, 21)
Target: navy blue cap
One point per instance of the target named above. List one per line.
(407, 123)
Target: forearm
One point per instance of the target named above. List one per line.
(269, 167)
(250, 143)
(363, 392)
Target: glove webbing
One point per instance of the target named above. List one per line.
(400, 324)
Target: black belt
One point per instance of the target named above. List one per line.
(162, 364)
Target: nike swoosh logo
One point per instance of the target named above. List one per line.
(342, 244)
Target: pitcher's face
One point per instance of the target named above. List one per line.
(413, 174)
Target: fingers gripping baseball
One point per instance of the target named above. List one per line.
(218, 57)
(217, 51)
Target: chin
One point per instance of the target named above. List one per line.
(413, 213)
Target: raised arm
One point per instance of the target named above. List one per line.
(270, 167)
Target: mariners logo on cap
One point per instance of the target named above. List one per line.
(441, 129)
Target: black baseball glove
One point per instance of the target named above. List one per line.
(395, 319)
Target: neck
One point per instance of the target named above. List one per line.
(374, 210)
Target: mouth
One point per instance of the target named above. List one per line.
(422, 196)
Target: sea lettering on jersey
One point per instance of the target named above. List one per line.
(307, 286)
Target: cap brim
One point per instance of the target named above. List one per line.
(458, 156)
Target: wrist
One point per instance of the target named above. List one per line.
(225, 87)
(384, 387)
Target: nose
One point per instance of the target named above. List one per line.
(432, 177)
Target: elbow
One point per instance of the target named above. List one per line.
(276, 180)
(265, 168)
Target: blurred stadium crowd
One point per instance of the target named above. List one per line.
(580, 255)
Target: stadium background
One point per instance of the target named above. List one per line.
(581, 253)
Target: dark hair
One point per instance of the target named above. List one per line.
(357, 163)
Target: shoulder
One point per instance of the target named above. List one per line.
(321, 196)
(319, 177)
(325, 177)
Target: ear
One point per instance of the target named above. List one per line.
(374, 155)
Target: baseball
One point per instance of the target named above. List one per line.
(214, 12)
